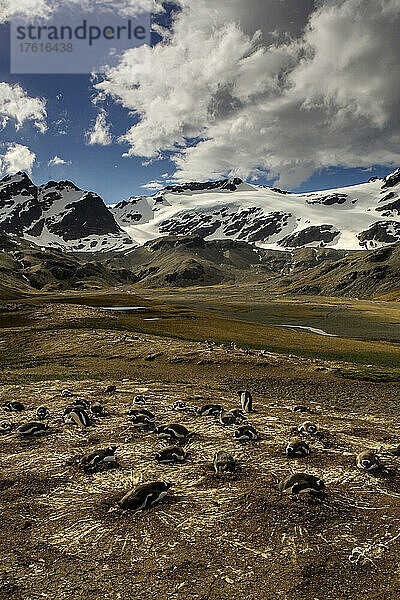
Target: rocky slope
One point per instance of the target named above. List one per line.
(58, 215)
(26, 268)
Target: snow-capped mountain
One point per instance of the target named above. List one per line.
(355, 217)
(59, 215)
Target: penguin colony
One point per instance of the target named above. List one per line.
(83, 414)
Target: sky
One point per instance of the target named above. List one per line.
(302, 95)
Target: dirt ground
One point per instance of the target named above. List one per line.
(212, 537)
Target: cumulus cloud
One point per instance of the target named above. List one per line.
(17, 106)
(17, 158)
(315, 88)
(46, 8)
(100, 132)
(56, 161)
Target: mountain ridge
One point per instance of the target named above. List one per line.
(61, 215)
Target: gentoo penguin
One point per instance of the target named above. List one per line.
(144, 496)
(32, 428)
(179, 405)
(79, 417)
(297, 449)
(13, 406)
(301, 408)
(103, 457)
(111, 389)
(246, 433)
(209, 410)
(301, 483)
(81, 403)
(139, 400)
(173, 431)
(368, 461)
(224, 462)
(142, 423)
(246, 400)
(98, 409)
(172, 455)
(42, 413)
(141, 412)
(307, 428)
(6, 427)
(227, 418)
(238, 414)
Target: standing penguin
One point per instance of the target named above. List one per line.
(301, 483)
(144, 496)
(79, 417)
(246, 400)
(224, 463)
(368, 461)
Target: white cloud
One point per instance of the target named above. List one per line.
(228, 100)
(16, 105)
(153, 185)
(17, 158)
(56, 161)
(100, 132)
(45, 8)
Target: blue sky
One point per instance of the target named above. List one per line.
(103, 169)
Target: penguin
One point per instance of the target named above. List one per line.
(301, 483)
(103, 457)
(144, 496)
(396, 451)
(142, 423)
(139, 400)
(246, 400)
(297, 449)
(246, 433)
(238, 414)
(224, 462)
(210, 410)
(179, 405)
(13, 406)
(368, 461)
(111, 389)
(307, 428)
(81, 403)
(173, 431)
(172, 455)
(6, 427)
(79, 417)
(140, 412)
(98, 409)
(32, 428)
(301, 408)
(42, 413)
(227, 418)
